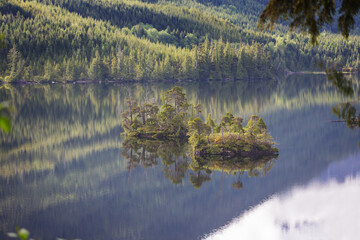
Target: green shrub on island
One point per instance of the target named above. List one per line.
(177, 118)
(147, 120)
(229, 138)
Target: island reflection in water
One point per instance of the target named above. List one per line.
(176, 160)
(324, 209)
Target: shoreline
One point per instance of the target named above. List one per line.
(286, 73)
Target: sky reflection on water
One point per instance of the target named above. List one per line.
(326, 208)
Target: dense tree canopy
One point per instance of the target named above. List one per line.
(63, 40)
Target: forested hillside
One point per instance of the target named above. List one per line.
(125, 40)
(245, 12)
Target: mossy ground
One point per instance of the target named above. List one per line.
(234, 145)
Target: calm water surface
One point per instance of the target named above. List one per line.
(65, 171)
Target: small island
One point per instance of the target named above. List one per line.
(177, 119)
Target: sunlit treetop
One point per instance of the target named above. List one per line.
(310, 15)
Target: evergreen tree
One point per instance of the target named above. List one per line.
(166, 68)
(16, 65)
(115, 68)
(186, 69)
(49, 73)
(95, 70)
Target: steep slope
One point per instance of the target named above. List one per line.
(51, 43)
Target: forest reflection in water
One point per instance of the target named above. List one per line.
(65, 170)
(45, 116)
(177, 161)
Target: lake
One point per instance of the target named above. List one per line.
(66, 171)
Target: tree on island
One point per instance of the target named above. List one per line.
(238, 123)
(177, 97)
(196, 126)
(210, 122)
(129, 115)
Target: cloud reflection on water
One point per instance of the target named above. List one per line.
(321, 210)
